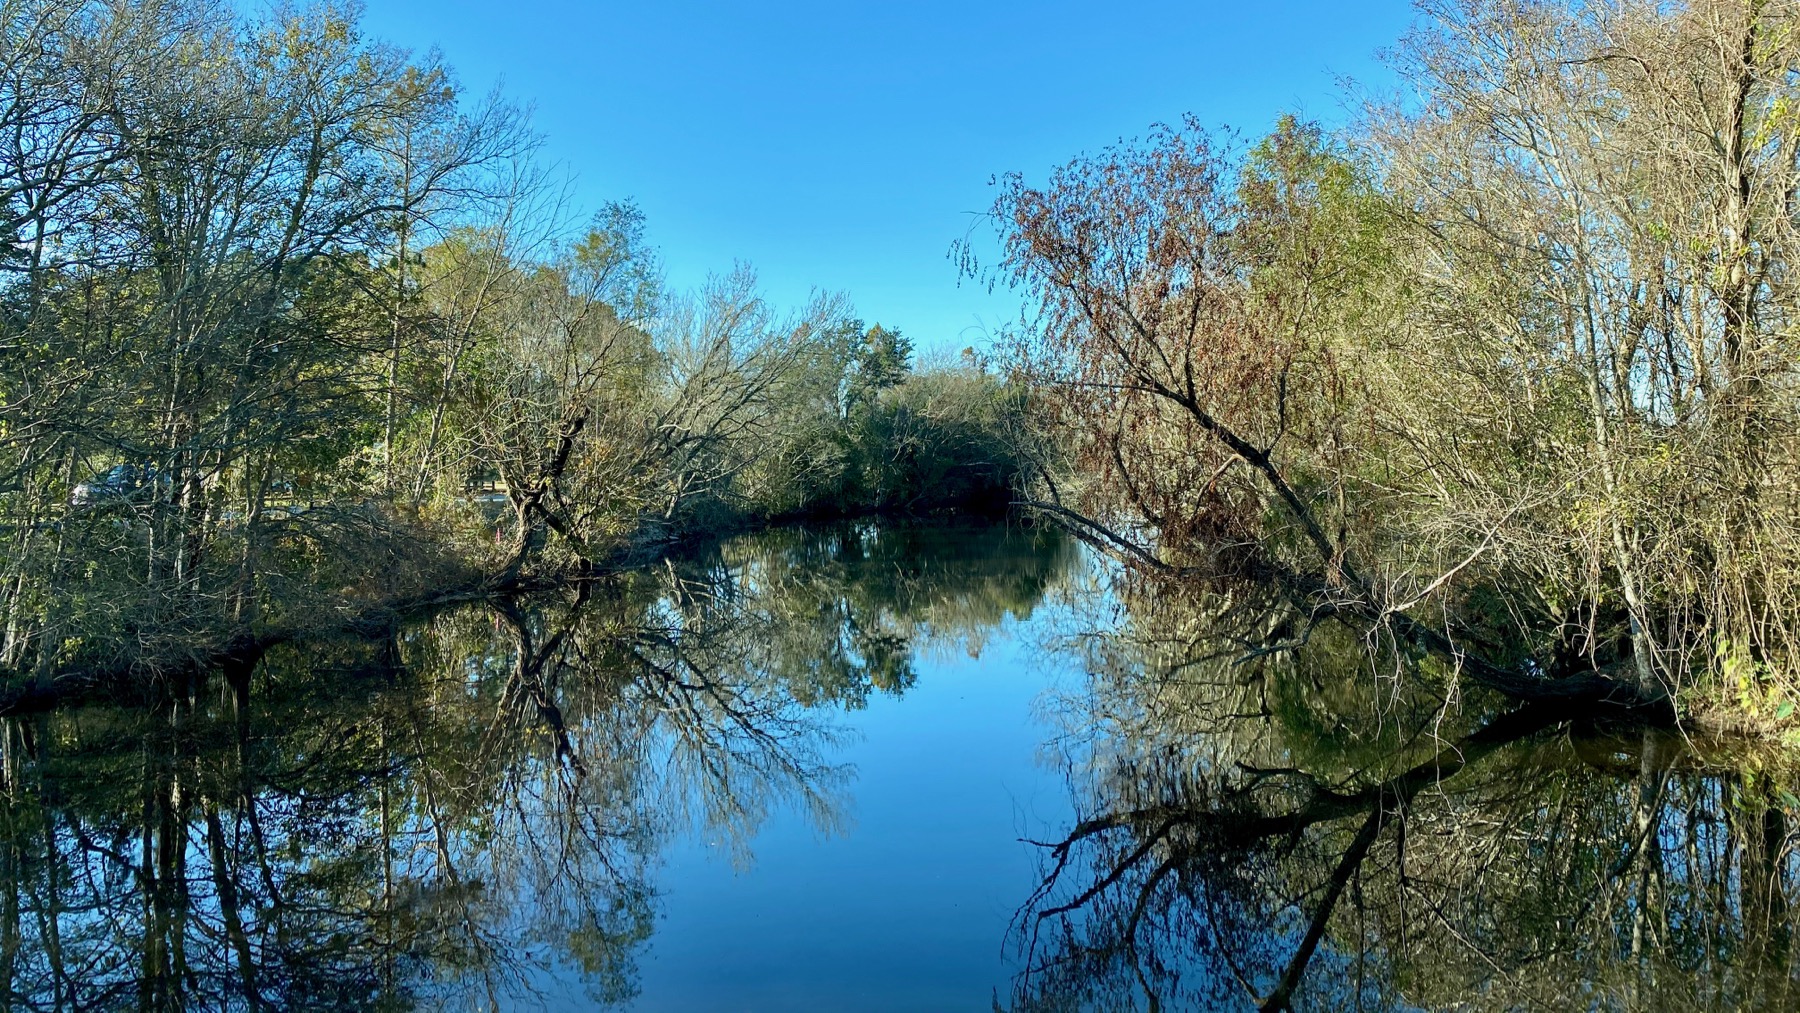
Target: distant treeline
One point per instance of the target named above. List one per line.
(291, 328)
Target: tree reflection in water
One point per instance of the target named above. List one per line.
(1299, 829)
(470, 809)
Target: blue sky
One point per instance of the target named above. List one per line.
(845, 146)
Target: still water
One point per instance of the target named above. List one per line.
(902, 899)
(881, 767)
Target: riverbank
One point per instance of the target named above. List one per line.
(411, 587)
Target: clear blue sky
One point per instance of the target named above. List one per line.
(843, 146)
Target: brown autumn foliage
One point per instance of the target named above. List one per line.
(1505, 373)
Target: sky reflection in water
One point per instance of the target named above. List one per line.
(793, 772)
(908, 908)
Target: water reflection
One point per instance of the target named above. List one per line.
(1299, 829)
(470, 808)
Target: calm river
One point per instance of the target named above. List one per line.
(880, 767)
